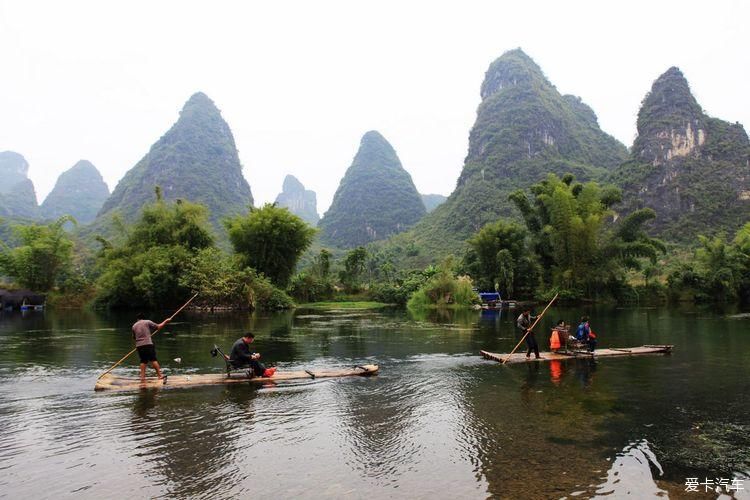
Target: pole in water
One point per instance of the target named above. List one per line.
(532, 327)
(157, 331)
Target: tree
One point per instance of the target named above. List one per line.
(144, 269)
(322, 264)
(354, 266)
(270, 240)
(501, 255)
(579, 250)
(719, 266)
(44, 253)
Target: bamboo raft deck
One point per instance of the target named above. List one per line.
(113, 382)
(520, 357)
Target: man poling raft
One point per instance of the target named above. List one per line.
(239, 358)
(145, 329)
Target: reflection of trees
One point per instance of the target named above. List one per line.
(463, 316)
(189, 442)
(533, 438)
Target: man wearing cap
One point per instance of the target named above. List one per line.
(242, 357)
(524, 324)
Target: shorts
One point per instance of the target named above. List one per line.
(147, 353)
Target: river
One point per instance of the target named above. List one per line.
(438, 421)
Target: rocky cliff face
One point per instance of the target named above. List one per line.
(195, 160)
(524, 129)
(17, 194)
(300, 201)
(79, 191)
(375, 199)
(693, 170)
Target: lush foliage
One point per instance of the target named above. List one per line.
(444, 288)
(43, 255)
(499, 260)
(376, 198)
(579, 253)
(145, 269)
(718, 272)
(271, 240)
(354, 266)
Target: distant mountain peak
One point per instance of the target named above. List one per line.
(292, 184)
(80, 191)
(524, 130)
(513, 68)
(670, 121)
(13, 169)
(690, 168)
(375, 199)
(196, 160)
(17, 194)
(298, 200)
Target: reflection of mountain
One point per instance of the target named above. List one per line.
(630, 475)
(191, 450)
(391, 434)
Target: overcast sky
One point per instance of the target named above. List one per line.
(300, 82)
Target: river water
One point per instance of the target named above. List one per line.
(437, 422)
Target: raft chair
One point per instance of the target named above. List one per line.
(216, 351)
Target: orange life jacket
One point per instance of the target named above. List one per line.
(554, 340)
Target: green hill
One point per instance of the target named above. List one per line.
(524, 129)
(79, 191)
(195, 160)
(375, 199)
(690, 168)
(300, 201)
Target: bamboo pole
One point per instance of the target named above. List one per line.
(157, 331)
(532, 327)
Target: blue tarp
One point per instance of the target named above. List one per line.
(490, 296)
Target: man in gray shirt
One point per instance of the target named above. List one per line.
(142, 331)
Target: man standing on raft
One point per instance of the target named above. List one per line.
(241, 357)
(142, 331)
(524, 324)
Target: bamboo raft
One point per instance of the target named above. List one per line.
(113, 382)
(520, 357)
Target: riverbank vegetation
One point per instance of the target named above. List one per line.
(568, 238)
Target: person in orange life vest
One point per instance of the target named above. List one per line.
(558, 336)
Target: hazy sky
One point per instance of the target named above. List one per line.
(300, 82)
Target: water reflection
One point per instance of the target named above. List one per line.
(438, 421)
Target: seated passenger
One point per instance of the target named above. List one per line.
(241, 357)
(585, 335)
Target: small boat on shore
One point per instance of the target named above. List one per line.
(520, 357)
(116, 383)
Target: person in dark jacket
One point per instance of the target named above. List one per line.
(241, 357)
(524, 323)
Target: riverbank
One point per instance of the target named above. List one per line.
(345, 305)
